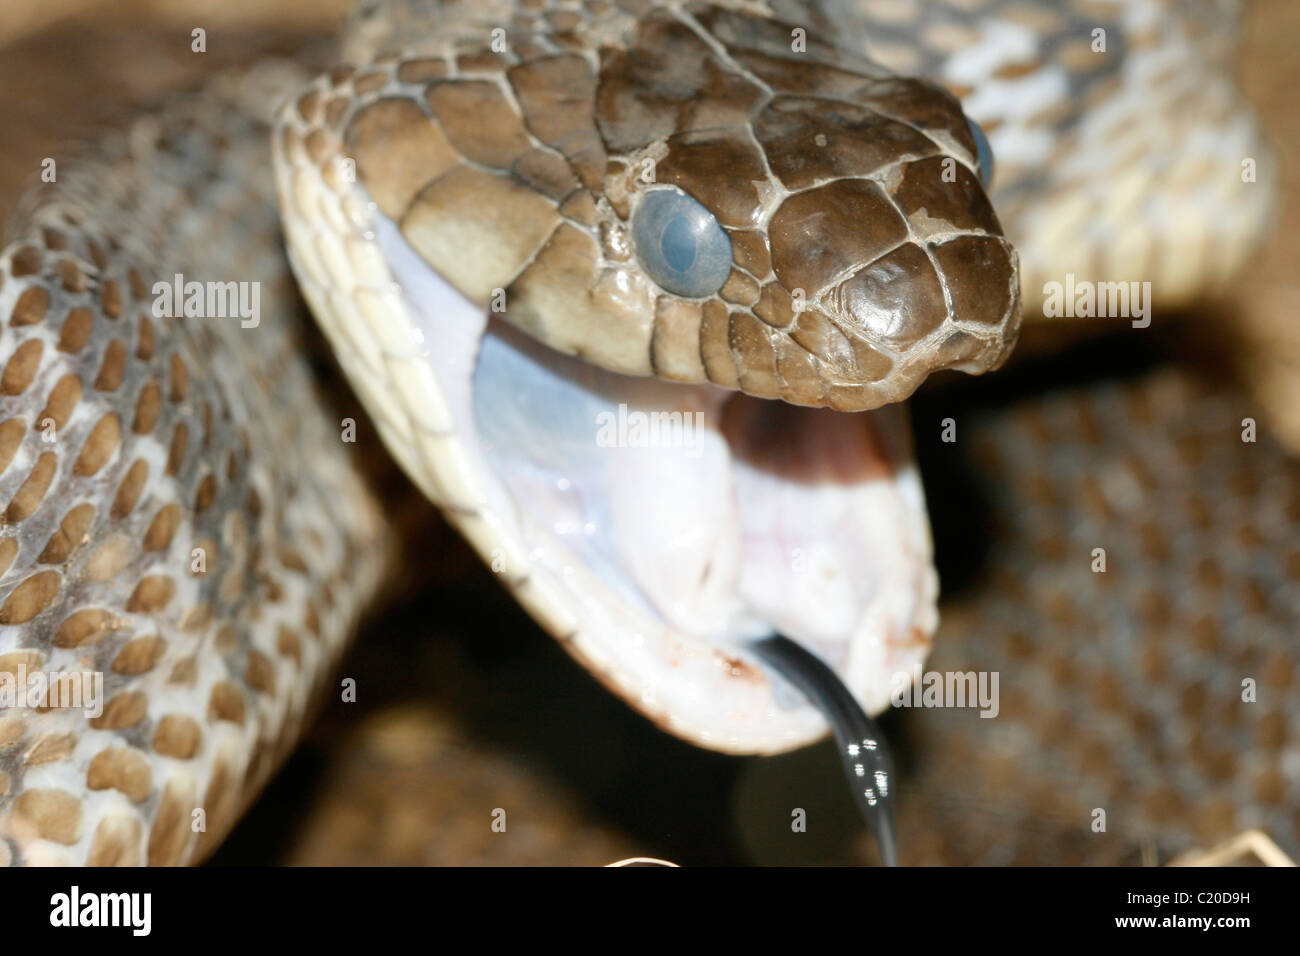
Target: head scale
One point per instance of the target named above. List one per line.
(697, 197)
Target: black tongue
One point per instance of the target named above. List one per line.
(861, 746)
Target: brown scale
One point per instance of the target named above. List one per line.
(1119, 690)
(859, 267)
(128, 441)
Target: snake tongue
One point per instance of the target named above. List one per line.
(861, 746)
(666, 526)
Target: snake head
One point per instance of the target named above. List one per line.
(793, 224)
(707, 196)
(549, 257)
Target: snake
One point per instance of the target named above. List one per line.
(635, 293)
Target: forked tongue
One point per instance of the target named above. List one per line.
(861, 746)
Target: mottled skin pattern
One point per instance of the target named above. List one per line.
(124, 790)
(1121, 691)
(158, 528)
(1124, 690)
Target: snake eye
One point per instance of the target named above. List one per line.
(983, 152)
(680, 244)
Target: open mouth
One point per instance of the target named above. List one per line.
(659, 528)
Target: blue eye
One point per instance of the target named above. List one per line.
(983, 152)
(680, 244)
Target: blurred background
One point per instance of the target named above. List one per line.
(464, 706)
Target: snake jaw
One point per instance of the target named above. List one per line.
(855, 269)
(767, 516)
(772, 516)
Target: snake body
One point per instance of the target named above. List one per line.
(159, 529)
(461, 210)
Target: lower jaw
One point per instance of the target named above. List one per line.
(685, 522)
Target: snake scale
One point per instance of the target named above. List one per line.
(512, 217)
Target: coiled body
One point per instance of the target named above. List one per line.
(246, 706)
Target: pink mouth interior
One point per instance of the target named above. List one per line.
(726, 516)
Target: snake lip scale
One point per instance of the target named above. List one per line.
(634, 292)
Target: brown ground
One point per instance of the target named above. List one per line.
(465, 707)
